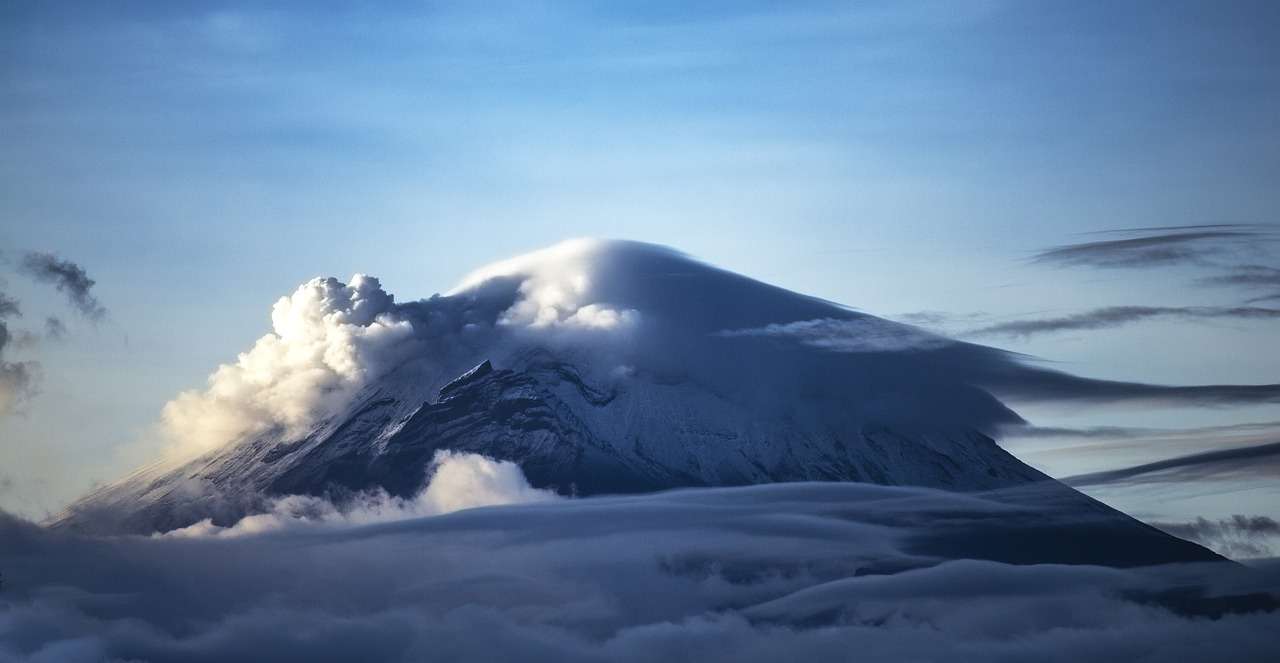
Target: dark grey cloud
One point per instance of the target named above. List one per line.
(1239, 536)
(54, 328)
(1129, 432)
(1192, 244)
(787, 571)
(17, 379)
(1254, 460)
(1246, 275)
(1251, 277)
(1116, 316)
(68, 277)
(1020, 381)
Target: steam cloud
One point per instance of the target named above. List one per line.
(328, 338)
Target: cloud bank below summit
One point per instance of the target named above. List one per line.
(623, 305)
(806, 571)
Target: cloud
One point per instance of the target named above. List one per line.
(1116, 316)
(1187, 245)
(329, 338)
(1238, 536)
(456, 481)
(864, 334)
(1253, 460)
(799, 571)
(17, 379)
(1127, 432)
(626, 309)
(68, 277)
(1246, 275)
(1252, 277)
(1027, 383)
(54, 328)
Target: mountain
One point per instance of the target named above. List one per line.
(597, 367)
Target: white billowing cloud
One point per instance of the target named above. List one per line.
(328, 338)
(556, 288)
(464, 481)
(458, 481)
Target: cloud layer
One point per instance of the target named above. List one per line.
(796, 571)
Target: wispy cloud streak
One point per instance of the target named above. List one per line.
(68, 277)
(1259, 460)
(1117, 316)
(1194, 244)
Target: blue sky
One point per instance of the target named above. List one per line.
(200, 160)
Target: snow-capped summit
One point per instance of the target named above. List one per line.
(597, 367)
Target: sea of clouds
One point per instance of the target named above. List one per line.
(815, 571)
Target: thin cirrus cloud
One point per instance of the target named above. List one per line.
(1117, 316)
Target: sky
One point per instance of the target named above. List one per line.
(919, 161)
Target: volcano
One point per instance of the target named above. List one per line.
(598, 367)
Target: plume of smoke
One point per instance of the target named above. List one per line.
(68, 277)
(17, 379)
(328, 338)
(54, 328)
